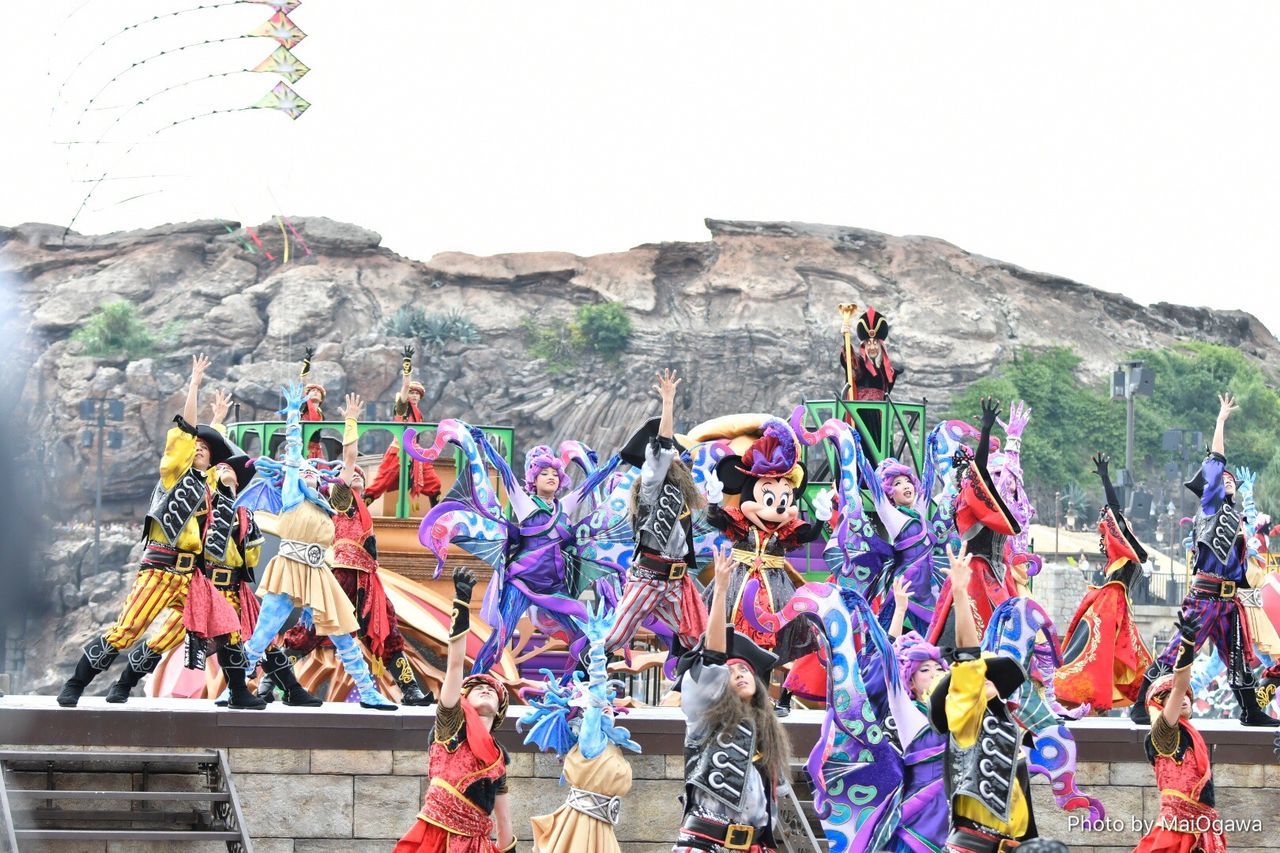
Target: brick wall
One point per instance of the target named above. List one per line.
(360, 801)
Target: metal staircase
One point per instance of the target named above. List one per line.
(119, 796)
(799, 829)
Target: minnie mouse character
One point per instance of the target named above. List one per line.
(764, 526)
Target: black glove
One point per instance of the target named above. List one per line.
(990, 410)
(183, 425)
(1188, 626)
(1100, 461)
(406, 361)
(309, 353)
(463, 583)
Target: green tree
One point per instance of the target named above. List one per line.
(603, 328)
(1072, 419)
(115, 331)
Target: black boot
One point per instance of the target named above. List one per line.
(1139, 713)
(1251, 714)
(783, 706)
(411, 692)
(277, 666)
(142, 661)
(97, 657)
(234, 662)
(266, 689)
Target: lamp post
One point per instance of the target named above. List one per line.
(99, 409)
(1128, 381)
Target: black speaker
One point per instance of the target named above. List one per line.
(1139, 505)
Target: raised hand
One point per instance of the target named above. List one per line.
(1246, 477)
(1019, 416)
(353, 407)
(406, 361)
(901, 592)
(961, 571)
(1226, 405)
(407, 352)
(1100, 462)
(308, 354)
(990, 411)
(666, 384)
(218, 408)
(463, 583)
(1188, 626)
(723, 564)
(823, 504)
(199, 364)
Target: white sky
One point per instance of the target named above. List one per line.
(1130, 146)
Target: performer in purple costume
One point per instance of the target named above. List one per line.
(923, 826)
(1220, 563)
(536, 573)
(902, 507)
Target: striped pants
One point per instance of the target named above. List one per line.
(640, 600)
(153, 590)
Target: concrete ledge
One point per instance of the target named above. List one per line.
(146, 722)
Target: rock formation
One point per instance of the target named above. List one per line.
(748, 317)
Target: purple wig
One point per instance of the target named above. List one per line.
(890, 470)
(536, 461)
(912, 651)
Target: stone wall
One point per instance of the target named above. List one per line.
(361, 801)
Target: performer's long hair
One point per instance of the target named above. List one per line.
(771, 738)
(679, 474)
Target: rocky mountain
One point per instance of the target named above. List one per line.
(748, 316)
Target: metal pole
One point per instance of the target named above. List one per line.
(97, 499)
(1057, 506)
(1128, 426)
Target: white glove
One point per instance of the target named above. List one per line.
(713, 488)
(822, 508)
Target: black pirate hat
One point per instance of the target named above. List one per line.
(221, 448)
(1002, 671)
(739, 647)
(633, 451)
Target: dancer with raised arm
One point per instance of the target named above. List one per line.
(1220, 559)
(467, 803)
(736, 752)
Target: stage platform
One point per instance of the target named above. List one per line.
(154, 723)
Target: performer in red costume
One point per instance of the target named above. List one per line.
(1188, 821)
(873, 372)
(312, 399)
(1103, 655)
(354, 561)
(423, 479)
(983, 522)
(468, 769)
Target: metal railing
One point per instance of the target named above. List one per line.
(265, 437)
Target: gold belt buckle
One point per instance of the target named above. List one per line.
(677, 571)
(185, 561)
(1227, 590)
(221, 577)
(738, 837)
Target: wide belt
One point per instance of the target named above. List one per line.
(650, 567)
(599, 806)
(310, 553)
(170, 559)
(730, 836)
(974, 840)
(221, 575)
(1212, 586)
